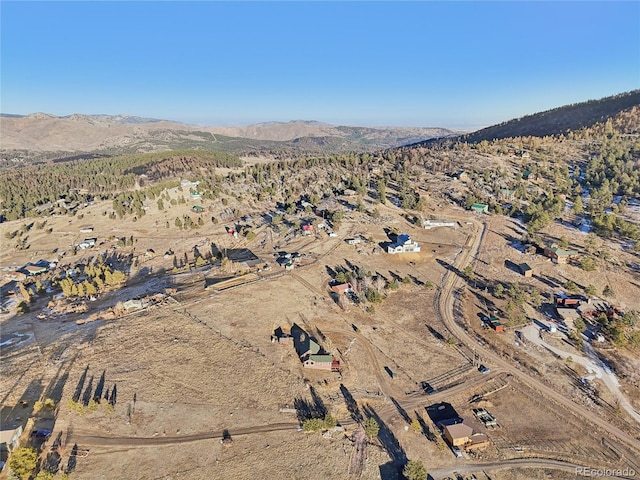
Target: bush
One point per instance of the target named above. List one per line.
(312, 425)
(330, 421)
(371, 428)
(23, 461)
(414, 470)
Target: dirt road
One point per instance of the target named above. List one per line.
(445, 304)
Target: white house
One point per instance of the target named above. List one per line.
(433, 223)
(403, 244)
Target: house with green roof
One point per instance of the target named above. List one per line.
(559, 255)
(480, 207)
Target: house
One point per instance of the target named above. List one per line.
(280, 337)
(480, 208)
(310, 353)
(433, 223)
(353, 241)
(197, 208)
(461, 175)
(496, 324)
(559, 255)
(308, 230)
(506, 193)
(135, 304)
(9, 440)
(87, 243)
(341, 288)
(525, 270)
(403, 244)
(458, 434)
(321, 362)
(567, 314)
(477, 440)
(32, 270)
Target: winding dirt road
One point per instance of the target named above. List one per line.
(445, 304)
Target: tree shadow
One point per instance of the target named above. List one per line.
(319, 408)
(387, 439)
(97, 396)
(113, 398)
(352, 405)
(80, 385)
(426, 431)
(87, 396)
(73, 460)
(437, 335)
(51, 462)
(403, 413)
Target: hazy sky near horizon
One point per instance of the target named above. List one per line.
(450, 64)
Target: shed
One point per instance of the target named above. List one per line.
(197, 208)
(352, 241)
(526, 270)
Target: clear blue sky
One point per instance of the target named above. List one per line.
(452, 64)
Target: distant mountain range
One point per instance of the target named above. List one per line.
(120, 134)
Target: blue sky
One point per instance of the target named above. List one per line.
(451, 64)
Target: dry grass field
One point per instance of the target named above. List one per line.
(190, 368)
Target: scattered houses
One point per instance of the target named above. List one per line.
(403, 244)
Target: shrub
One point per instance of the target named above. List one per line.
(313, 425)
(414, 470)
(23, 461)
(371, 428)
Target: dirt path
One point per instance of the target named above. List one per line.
(591, 362)
(524, 463)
